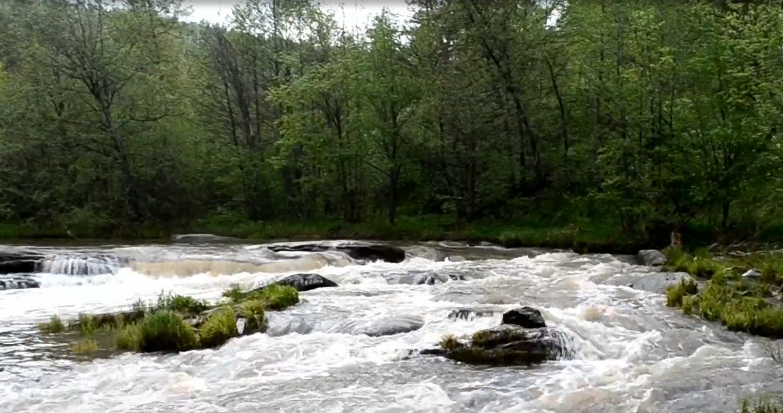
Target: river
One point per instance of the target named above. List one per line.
(631, 352)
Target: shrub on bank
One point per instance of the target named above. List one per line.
(220, 327)
(676, 293)
(85, 346)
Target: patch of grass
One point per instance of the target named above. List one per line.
(54, 326)
(278, 297)
(181, 304)
(129, 337)
(234, 295)
(675, 293)
(220, 327)
(763, 405)
(253, 310)
(163, 330)
(449, 342)
(86, 325)
(85, 346)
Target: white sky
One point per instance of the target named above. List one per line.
(353, 13)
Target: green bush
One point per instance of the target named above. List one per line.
(675, 293)
(181, 304)
(234, 294)
(279, 297)
(220, 327)
(85, 346)
(163, 330)
(55, 325)
(253, 311)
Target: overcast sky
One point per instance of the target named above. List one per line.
(355, 12)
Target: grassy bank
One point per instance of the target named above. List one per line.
(749, 304)
(176, 323)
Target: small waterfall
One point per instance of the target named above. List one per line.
(80, 265)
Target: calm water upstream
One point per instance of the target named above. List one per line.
(633, 354)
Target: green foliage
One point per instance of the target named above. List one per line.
(55, 325)
(675, 294)
(162, 330)
(234, 295)
(86, 324)
(253, 310)
(449, 342)
(181, 304)
(129, 337)
(218, 328)
(278, 297)
(762, 405)
(85, 346)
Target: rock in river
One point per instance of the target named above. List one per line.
(508, 345)
(385, 326)
(469, 314)
(654, 282)
(13, 261)
(15, 283)
(525, 317)
(652, 258)
(355, 250)
(306, 282)
(302, 282)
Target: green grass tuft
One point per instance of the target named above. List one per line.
(163, 330)
(677, 292)
(86, 325)
(279, 297)
(764, 405)
(234, 295)
(449, 342)
(253, 310)
(85, 346)
(181, 304)
(220, 327)
(129, 337)
(55, 325)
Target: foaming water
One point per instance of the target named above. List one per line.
(79, 265)
(631, 353)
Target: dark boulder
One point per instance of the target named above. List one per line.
(17, 283)
(306, 282)
(525, 317)
(469, 315)
(357, 251)
(508, 345)
(651, 258)
(18, 261)
(302, 282)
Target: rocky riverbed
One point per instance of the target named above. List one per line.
(369, 331)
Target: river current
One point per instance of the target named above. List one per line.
(631, 352)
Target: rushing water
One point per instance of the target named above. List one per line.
(632, 353)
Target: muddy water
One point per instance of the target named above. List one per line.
(632, 354)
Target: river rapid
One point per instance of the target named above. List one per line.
(631, 352)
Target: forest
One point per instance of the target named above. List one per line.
(642, 117)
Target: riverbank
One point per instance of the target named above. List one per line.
(583, 238)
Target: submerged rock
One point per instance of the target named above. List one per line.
(525, 317)
(469, 314)
(17, 283)
(200, 238)
(651, 258)
(357, 251)
(381, 327)
(654, 282)
(306, 282)
(508, 345)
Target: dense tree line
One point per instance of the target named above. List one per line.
(649, 115)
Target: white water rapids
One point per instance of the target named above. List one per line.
(633, 354)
